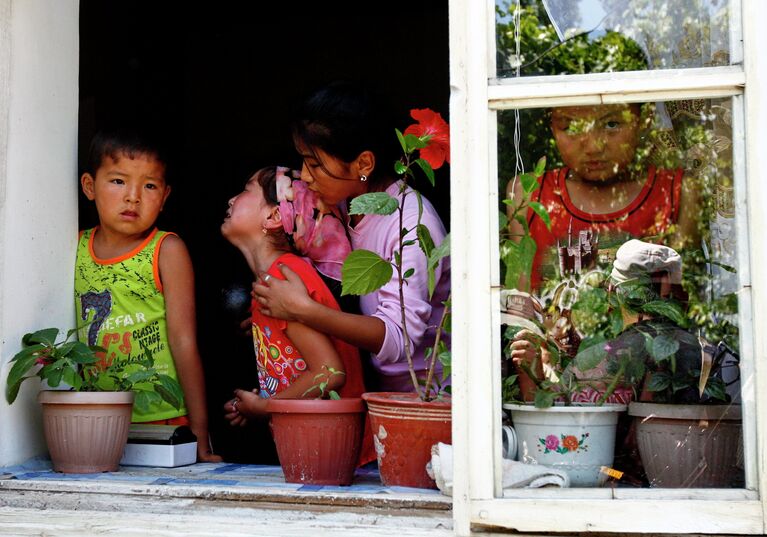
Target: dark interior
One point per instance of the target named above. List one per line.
(220, 80)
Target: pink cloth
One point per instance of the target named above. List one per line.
(317, 231)
(380, 234)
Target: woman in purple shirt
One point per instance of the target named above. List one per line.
(348, 149)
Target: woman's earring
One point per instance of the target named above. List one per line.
(263, 230)
(363, 177)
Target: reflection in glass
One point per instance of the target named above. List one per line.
(668, 35)
(620, 249)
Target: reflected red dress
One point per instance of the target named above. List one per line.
(651, 213)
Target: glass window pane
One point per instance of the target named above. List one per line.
(597, 36)
(618, 261)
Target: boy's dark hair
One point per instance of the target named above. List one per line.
(111, 142)
(344, 119)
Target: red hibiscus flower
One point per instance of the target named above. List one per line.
(431, 124)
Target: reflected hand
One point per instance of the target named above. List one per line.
(525, 347)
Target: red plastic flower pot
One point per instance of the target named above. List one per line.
(404, 431)
(318, 440)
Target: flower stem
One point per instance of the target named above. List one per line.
(401, 281)
(437, 339)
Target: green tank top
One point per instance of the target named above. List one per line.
(120, 306)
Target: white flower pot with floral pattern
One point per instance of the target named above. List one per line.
(578, 439)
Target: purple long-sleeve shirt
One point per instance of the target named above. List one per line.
(380, 234)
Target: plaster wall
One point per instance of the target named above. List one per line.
(39, 55)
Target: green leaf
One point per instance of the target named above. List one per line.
(142, 375)
(659, 382)
(334, 395)
(27, 351)
(80, 353)
(46, 336)
(65, 348)
(590, 357)
(409, 272)
(540, 167)
(401, 140)
(519, 262)
(17, 375)
(541, 211)
(54, 378)
(399, 167)
(424, 239)
(71, 377)
(436, 255)
(667, 308)
(363, 272)
(529, 182)
(143, 400)
(503, 220)
(427, 169)
(374, 203)
(12, 391)
(716, 389)
(420, 204)
(170, 390)
(413, 142)
(523, 223)
(662, 347)
(544, 399)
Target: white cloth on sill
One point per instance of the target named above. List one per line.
(516, 474)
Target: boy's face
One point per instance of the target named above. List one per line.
(129, 192)
(596, 142)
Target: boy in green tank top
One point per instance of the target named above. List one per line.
(134, 284)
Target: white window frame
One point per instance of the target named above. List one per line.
(476, 95)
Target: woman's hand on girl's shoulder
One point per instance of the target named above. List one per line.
(284, 299)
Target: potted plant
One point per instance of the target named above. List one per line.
(567, 417)
(689, 434)
(407, 425)
(86, 427)
(555, 422)
(318, 440)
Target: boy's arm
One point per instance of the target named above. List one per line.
(177, 277)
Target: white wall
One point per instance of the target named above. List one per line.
(39, 58)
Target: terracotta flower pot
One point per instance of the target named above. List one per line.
(689, 446)
(86, 432)
(318, 440)
(404, 430)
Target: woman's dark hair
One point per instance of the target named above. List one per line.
(112, 142)
(343, 119)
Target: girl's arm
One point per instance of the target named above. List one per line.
(320, 356)
(287, 299)
(177, 277)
